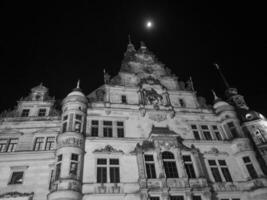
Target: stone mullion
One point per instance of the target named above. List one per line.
(140, 162)
(160, 161)
(197, 165)
(180, 163)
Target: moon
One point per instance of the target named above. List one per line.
(149, 24)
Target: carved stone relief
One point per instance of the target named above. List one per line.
(108, 149)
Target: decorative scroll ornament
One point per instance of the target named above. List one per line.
(108, 149)
(158, 116)
(13, 195)
(215, 151)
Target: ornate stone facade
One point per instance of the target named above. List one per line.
(142, 135)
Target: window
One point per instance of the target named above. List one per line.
(196, 197)
(16, 178)
(101, 170)
(154, 198)
(232, 129)
(64, 127)
(78, 123)
(216, 132)
(150, 166)
(120, 129)
(12, 143)
(107, 127)
(38, 145)
(42, 112)
(177, 197)
(108, 168)
(189, 166)
(25, 112)
(259, 136)
(215, 170)
(74, 164)
(51, 179)
(50, 143)
(123, 99)
(3, 144)
(225, 171)
(169, 165)
(114, 170)
(181, 102)
(8, 144)
(195, 132)
(230, 199)
(58, 167)
(94, 128)
(251, 170)
(206, 132)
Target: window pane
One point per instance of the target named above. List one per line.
(207, 135)
(216, 174)
(251, 171)
(193, 126)
(170, 169)
(246, 159)
(73, 168)
(154, 198)
(25, 113)
(42, 112)
(101, 161)
(211, 162)
(226, 174)
(94, 122)
(176, 197)
(149, 158)
(204, 127)
(17, 178)
(190, 170)
(196, 135)
(119, 123)
(74, 157)
(78, 117)
(101, 174)
(120, 132)
(150, 170)
(196, 198)
(114, 175)
(167, 155)
(108, 123)
(114, 161)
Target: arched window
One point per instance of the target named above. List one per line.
(169, 165)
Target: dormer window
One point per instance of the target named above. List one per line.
(123, 99)
(42, 112)
(25, 112)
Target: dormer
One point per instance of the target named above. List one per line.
(37, 104)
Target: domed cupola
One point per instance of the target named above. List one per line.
(75, 95)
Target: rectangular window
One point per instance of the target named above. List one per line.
(251, 170)
(38, 145)
(107, 128)
(64, 127)
(12, 143)
(120, 129)
(177, 197)
(150, 166)
(3, 145)
(123, 99)
(170, 169)
(78, 117)
(154, 198)
(206, 132)
(107, 169)
(58, 171)
(195, 132)
(77, 126)
(114, 171)
(216, 132)
(232, 129)
(50, 143)
(74, 164)
(196, 197)
(215, 171)
(225, 171)
(42, 112)
(189, 166)
(101, 170)
(25, 112)
(94, 128)
(16, 178)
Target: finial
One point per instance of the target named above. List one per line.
(129, 39)
(78, 84)
(214, 95)
(142, 44)
(222, 76)
(106, 77)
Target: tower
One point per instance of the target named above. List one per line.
(67, 176)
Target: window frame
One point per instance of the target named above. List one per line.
(170, 165)
(108, 167)
(152, 174)
(42, 112)
(23, 114)
(220, 169)
(11, 177)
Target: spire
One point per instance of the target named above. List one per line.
(214, 95)
(78, 84)
(106, 77)
(222, 76)
(129, 39)
(130, 47)
(143, 46)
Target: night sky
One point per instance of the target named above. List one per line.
(58, 43)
